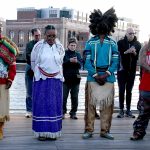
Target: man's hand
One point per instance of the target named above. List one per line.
(73, 60)
(8, 84)
(131, 50)
(101, 79)
(30, 73)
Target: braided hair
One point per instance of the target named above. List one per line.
(102, 23)
(49, 27)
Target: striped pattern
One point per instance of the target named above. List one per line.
(45, 118)
(101, 55)
(47, 108)
(8, 50)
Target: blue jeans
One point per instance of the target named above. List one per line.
(28, 84)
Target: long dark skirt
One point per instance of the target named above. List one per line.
(47, 108)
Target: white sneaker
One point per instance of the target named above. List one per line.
(28, 114)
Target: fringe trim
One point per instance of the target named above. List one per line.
(102, 101)
(102, 104)
(12, 44)
(47, 134)
(4, 118)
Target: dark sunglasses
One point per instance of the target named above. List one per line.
(131, 33)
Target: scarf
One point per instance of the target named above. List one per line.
(8, 50)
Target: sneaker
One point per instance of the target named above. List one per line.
(121, 114)
(87, 135)
(73, 117)
(129, 114)
(97, 116)
(28, 114)
(107, 136)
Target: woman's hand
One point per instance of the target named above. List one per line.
(8, 84)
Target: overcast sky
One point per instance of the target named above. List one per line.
(138, 11)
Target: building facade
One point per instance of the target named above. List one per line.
(69, 23)
(122, 25)
(2, 21)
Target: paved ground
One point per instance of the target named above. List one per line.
(17, 95)
(18, 135)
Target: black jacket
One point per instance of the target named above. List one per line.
(71, 70)
(128, 62)
(29, 48)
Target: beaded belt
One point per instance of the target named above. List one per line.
(48, 74)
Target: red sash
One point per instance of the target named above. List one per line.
(48, 74)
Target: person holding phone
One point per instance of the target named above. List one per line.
(71, 64)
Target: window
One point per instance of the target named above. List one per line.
(69, 34)
(12, 35)
(30, 36)
(21, 37)
(73, 34)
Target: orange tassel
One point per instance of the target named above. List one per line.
(1, 130)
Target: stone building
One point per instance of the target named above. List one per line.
(122, 24)
(2, 21)
(20, 30)
(69, 23)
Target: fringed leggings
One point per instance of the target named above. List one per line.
(105, 114)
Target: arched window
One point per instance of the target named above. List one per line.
(21, 37)
(12, 35)
(69, 34)
(30, 36)
(73, 34)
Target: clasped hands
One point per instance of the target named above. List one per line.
(131, 50)
(101, 79)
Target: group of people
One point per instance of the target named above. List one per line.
(52, 73)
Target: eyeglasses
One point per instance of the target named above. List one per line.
(131, 33)
(51, 36)
(73, 45)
